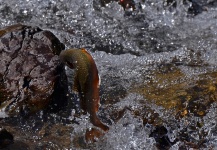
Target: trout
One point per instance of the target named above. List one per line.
(86, 82)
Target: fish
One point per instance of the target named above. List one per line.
(86, 82)
(11, 29)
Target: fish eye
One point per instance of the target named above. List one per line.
(69, 64)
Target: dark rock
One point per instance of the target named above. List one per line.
(162, 140)
(6, 138)
(17, 145)
(31, 75)
(104, 2)
(197, 6)
(126, 4)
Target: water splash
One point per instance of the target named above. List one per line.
(128, 133)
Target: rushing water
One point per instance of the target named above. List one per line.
(126, 46)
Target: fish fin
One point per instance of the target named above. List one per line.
(99, 80)
(83, 103)
(77, 87)
(84, 50)
(96, 122)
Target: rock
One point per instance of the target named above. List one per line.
(6, 138)
(161, 137)
(197, 6)
(18, 145)
(174, 87)
(104, 2)
(31, 75)
(183, 95)
(126, 4)
(92, 135)
(171, 88)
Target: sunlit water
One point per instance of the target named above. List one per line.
(125, 45)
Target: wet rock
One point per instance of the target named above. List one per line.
(161, 138)
(18, 145)
(187, 135)
(197, 6)
(6, 138)
(54, 136)
(104, 2)
(126, 4)
(92, 135)
(31, 75)
(47, 135)
(182, 95)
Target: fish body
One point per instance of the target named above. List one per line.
(86, 82)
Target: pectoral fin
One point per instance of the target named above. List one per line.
(77, 88)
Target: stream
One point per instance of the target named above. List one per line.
(158, 61)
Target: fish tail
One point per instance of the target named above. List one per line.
(96, 122)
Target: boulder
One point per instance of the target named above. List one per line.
(31, 75)
(6, 138)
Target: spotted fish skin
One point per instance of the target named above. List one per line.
(86, 82)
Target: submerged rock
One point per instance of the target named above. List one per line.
(173, 94)
(31, 75)
(171, 88)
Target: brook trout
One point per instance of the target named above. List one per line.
(86, 82)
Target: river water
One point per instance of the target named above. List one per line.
(128, 47)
